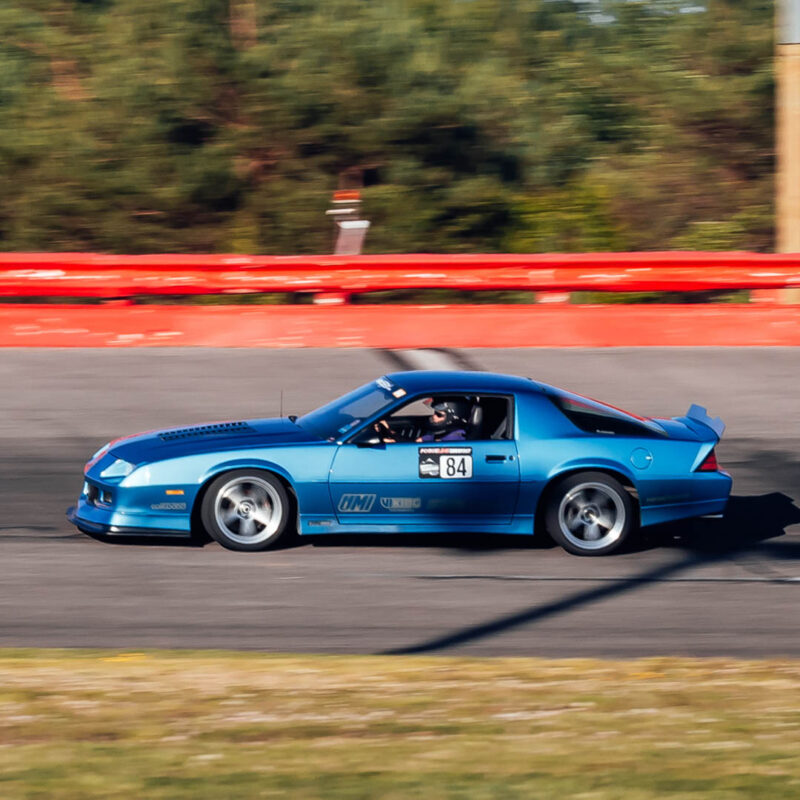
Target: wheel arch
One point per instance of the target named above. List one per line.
(230, 466)
(554, 480)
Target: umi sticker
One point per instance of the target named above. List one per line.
(448, 463)
(356, 503)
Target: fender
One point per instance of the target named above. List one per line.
(591, 464)
(312, 496)
(246, 463)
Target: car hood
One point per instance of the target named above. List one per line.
(208, 437)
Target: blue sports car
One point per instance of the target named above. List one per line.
(414, 452)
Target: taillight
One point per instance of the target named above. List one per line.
(709, 463)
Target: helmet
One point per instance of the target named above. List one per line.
(456, 412)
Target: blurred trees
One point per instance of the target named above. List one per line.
(474, 125)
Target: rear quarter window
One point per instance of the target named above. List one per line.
(594, 417)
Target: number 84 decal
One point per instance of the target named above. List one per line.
(445, 462)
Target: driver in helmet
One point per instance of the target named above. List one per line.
(447, 422)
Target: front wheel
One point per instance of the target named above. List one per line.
(590, 514)
(246, 510)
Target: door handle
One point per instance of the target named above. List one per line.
(497, 459)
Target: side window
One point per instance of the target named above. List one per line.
(419, 408)
(498, 422)
(428, 419)
(449, 417)
(408, 423)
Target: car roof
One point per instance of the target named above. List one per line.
(443, 381)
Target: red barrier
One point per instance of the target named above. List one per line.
(399, 326)
(89, 275)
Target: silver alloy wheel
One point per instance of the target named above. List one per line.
(248, 510)
(592, 516)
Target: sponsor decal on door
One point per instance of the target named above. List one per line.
(447, 463)
(401, 503)
(356, 503)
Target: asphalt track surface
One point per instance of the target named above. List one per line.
(729, 588)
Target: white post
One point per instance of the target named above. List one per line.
(351, 229)
(787, 70)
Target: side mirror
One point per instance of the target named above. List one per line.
(373, 441)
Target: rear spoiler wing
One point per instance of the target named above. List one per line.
(699, 414)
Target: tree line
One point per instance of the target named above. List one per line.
(134, 126)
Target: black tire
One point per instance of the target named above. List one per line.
(590, 514)
(246, 509)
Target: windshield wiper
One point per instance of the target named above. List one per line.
(292, 417)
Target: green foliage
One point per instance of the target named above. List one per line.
(575, 219)
(223, 125)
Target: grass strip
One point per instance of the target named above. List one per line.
(101, 724)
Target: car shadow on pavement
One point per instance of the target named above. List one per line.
(749, 522)
(151, 541)
(749, 528)
(461, 542)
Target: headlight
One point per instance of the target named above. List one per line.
(119, 469)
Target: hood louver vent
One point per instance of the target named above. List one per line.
(217, 429)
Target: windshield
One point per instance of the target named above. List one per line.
(335, 419)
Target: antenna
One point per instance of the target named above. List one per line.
(281, 403)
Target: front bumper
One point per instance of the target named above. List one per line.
(106, 528)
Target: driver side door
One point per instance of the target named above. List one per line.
(407, 485)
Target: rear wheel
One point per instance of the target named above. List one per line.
(246, 510)
(590, 514)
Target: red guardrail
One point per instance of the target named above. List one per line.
(289, 326)
(92, 275)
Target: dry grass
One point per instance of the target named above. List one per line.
(86, 724)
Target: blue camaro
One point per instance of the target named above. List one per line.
(415, 452)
